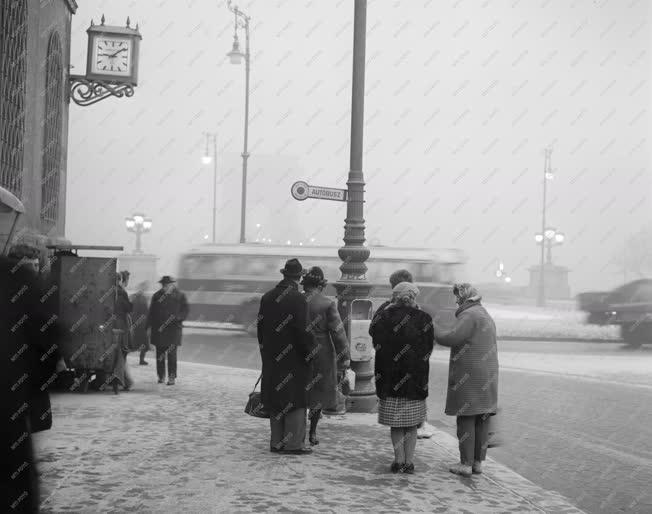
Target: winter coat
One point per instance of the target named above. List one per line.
(22, 342)
(167, 311)
(285, 348)
(122, 311)
(330, 347)
(473, 366)
(403, 340)
(139, 321)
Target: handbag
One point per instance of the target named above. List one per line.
(255, 405)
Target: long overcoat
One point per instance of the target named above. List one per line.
(285, 348)
(122, 310)
(403, 339)
(331, 347)
(473, 365)
(167, 311)
(26, 339)
(139, 321)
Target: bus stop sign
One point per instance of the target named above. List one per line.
(301, 190)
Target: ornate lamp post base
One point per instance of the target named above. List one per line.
(363, 398)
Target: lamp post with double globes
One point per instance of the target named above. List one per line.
(548, 239)
(138, 224)
(547, 175)
(502, 274)
(236, 56)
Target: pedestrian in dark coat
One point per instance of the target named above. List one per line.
(25, 339)
(122, 311)
(403, 340)
(139, 321)
(424, 430)
(167, 311)
(45, 348)
(330, 353)
(472, 376)
(285, 350)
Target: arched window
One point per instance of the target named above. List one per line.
(52, 132)
(13, 73)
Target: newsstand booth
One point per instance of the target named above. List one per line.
(84, 293)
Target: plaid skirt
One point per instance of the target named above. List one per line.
(401, 412)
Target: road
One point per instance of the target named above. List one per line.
(576, 432)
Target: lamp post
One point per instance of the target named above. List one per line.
(501, 273)
(206, 159)
(139, 225)
(353, 283)
(548, 239)
(236, 56)
(547, 175)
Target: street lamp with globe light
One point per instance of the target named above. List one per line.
(548, 239)
(138, 224)
(236, 56)
(547, 175)
(501, 273)
(206, 159)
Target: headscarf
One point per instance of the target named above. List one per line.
(465, 292)
(405, 293)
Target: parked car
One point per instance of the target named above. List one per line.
(629, 306)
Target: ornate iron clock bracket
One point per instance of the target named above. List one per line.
(85, 91)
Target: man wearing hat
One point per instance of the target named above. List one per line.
(285, 349)
(167, 311)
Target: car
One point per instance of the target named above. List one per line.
(629, 306)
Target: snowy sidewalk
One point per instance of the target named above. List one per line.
(190, 448)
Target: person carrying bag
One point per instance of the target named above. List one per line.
(255, 405)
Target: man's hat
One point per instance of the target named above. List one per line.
(293, 269)
(167, 279)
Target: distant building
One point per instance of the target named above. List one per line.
(34, 101)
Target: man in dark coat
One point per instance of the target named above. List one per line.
(28, 365)
(167, 311)
(139, 321)
(285, 349)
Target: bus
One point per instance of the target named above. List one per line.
(224, 283)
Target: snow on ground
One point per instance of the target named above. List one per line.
(632, 368)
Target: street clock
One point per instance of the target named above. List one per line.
(113, 53)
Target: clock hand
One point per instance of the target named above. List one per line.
(115, 54)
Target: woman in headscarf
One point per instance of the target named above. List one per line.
(403, 340)
(472, 377)
(331, 348)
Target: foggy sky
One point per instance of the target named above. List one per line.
(462, 97)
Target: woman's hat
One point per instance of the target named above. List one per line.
(167, 279)
(314, 277)
(293, 269)
(465, 291)
(405, 292)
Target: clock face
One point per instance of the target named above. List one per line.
(111, 56)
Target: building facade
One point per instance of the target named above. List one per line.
(34, 103)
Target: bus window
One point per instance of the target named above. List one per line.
(199, 266)
(425, 272)
(254, 265)
(449, 272)
(226, 265)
